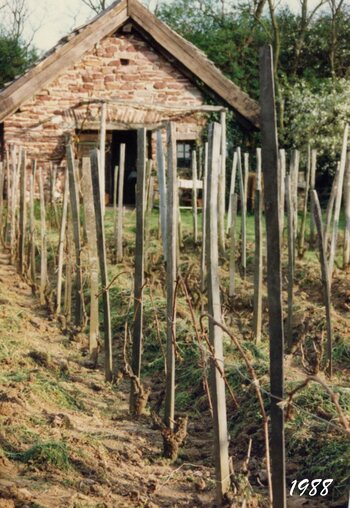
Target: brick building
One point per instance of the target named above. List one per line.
(143, 71)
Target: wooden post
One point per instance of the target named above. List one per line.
(232, 189)
(32, 249)
(222, 185)
(90, 225)
(14, 202)
(103, 154)
(194, 196)
(120, 204)
(43, 235)
(338, 200)
(233, 218)
(312, 188)
(139, 265)
(274, 273)
(2, 180)
(147, 210)
(246, 178)
(325, 277)
(22, 213)
(217, 384)
(115, 209)
(283, 166)
(243, 216)
(7, 232)
(291, 261)
(61, 244)
(294, 172)
(306, 201)
(330, 207)
(204, 218)
(69, 266)
(101, 244)
(346, 253)
(162, 191)
(172, 218)
(75, 210)
(258, 268)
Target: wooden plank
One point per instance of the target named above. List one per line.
(325, 277)
(274, 273)
(337, 204)
(90, 225)
(63, 57)
(171, 268)
(233, 218)
(217, 385)
(189, 184)
(61, 244)
(120, 204)
(204, 218)
(194, 196)
(162, 191)
(102, 142)
(75, 210)
(258, 265)
(232, 189)
(243, 215)
(195, 62)
(22, 213)
(43, 238)
(139, 265)
(222, 186)
(101, 244)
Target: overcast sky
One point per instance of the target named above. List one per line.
(55, 18)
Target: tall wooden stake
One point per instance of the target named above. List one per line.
(32, 249)
(291, 261)
(22, 213)
(162, 191)
(101, 243)
(139, 265)
(233, 218)
(346, 261)
(283, 168)
(115, 209)
(103, 154)
(306, 201)
(2, 180)
(217, 385)
(258, 268)
(312, 188)
(325, 277)
(194, 196)
(222, 185)
(75, 210)
(243, 216)
(90, 224)
(61, 244)
(274, 273)
(43, 235)
(172, 218)
(120, 204)
(204, 219)
(330, 207)
(232, 189)
(338, 201)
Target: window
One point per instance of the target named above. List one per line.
(184, 154)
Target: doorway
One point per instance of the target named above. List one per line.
(129, 138)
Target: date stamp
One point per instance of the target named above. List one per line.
(317, 487)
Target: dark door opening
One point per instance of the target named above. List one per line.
(129, 138)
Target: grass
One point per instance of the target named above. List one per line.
(42, 455)
(51, 390)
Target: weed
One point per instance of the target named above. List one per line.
(44, 454)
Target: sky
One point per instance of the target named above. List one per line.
(52, 19)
